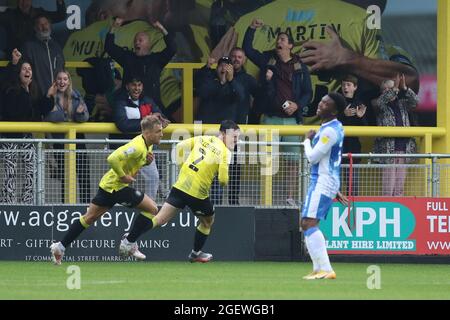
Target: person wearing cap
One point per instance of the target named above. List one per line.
(19, 22)
(323, 151)
(130, 107)
(219, 93)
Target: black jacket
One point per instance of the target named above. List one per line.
(127, 116)
(352, 144)
(18, 105)
(249, 87)
(47, 59)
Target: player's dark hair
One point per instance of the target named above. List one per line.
(339, 101)
(227, 125)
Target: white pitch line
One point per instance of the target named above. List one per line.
(56, 284)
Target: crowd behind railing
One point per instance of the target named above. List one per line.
(36, 87)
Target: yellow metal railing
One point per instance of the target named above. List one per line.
(427, 134)
(435, 140)
(427, 137)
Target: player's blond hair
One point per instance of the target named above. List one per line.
(149, 122)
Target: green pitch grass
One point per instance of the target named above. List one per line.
(220, 280)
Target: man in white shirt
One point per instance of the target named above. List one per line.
(324, 152)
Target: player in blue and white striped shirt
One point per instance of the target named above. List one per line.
(323, 150)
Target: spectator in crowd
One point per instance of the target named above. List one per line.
(63, 103)
(131, 107)
(142, 62)
(393, 108)
(221, 94)
(45, 54)
(292, 80)
(329, 58)
(248, 83)
(20, 96)
(19, 22)
(292, 90)
(353, 115)
(175, 15)
(249, 86)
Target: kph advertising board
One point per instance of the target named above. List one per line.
(389, 226)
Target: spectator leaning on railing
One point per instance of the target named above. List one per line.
(19, 97)
(392, 108)
(131, 106)
(64, 104)
(353, 115)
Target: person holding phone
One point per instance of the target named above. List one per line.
(290, 91)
